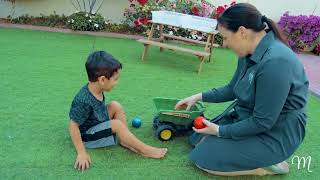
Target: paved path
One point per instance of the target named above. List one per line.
(312, 67)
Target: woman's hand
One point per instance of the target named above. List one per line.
(211, 128)
(188, 102)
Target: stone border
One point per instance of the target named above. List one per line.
(314, 94)
(69, 31)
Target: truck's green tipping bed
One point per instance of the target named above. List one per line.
(166, 109)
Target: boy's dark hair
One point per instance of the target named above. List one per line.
(101, 63)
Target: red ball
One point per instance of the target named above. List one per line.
(198, 122)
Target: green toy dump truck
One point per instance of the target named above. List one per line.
(169, 122)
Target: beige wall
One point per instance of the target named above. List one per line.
(274, 9)
(113, 9)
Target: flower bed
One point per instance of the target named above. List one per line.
(136, 17)
(303, 32)
(84, 21)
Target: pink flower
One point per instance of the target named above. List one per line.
(136, 23)
(233, 3)
(219, 10)
(207, 9)
(204, 5)
(195, 11)
(142, 2)
(143, 20)
(184, 11)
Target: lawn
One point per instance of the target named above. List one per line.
(42, 71)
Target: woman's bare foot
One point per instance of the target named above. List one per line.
(153, 152)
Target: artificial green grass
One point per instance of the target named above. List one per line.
(42, 71)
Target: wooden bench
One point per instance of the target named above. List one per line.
(161, 43)
(200, 54)
(189, 40)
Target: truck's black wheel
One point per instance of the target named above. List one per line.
(165, 132)
(156, 122)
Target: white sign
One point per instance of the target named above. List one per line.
(203, 24)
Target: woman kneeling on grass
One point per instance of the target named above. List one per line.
(270, 87)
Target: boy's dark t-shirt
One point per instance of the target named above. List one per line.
(87, 110)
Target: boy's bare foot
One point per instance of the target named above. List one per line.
(153, 152)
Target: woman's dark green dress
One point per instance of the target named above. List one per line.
(268, 123)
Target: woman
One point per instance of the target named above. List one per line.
(270, 87)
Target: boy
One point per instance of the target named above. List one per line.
(95, 125)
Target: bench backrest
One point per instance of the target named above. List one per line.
(202, 24)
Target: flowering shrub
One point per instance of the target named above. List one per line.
(219, 10)
(196, 8)
(138, 14)
(86, 17)
(139, 11)
(82, 21)
(303, 32)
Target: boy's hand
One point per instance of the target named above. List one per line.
(83, 161)
(211, 128)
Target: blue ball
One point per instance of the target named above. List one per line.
(136, 122)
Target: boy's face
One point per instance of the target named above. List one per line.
(107, 84)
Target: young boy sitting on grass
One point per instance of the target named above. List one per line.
(94, 124)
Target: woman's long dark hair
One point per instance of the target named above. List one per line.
(248, 16)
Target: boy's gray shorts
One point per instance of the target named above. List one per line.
(99, 135)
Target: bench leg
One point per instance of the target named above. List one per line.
(161, 36)
(161, 49)
(209, 43)
(201, 58)
(145, 51)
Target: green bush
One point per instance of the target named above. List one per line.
(82, 21)
(119, 28)
(218, 39)
(52, 20)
